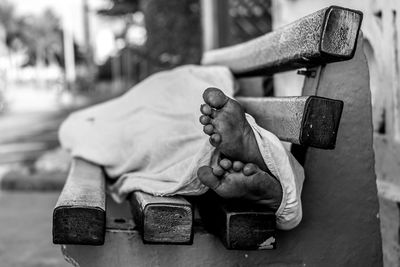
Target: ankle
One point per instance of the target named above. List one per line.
(253, 154)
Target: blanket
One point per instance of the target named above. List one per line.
(150, 139)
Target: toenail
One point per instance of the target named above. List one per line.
(218, 171)
(216, 138)
(208, 129)
(204, 119)
(202, 171)
(237, 166)
(226, 164)
(205, 109)
(215, 97)
(249, 169)
(208, 91)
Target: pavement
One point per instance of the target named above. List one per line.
(28, 130)
(25, 235)
(33, 168)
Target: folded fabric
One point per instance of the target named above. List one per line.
(150, 139)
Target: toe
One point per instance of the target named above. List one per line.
(237, 166)
(226, 164)
(218, 171)
(204, 119)
(207, 177)
(206, 109)
(215, 97)
(215, 139)
(250, 169)
(208, 129)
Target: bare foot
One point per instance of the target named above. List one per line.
(238, 180)
(224, 121)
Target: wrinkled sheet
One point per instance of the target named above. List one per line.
(150, 139)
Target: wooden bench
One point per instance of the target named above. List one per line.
(339, 184)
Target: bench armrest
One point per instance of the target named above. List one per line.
(303, 120)
(328, 35)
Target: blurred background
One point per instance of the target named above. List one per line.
(60, 56)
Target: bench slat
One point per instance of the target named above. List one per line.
(239, 224)
(162, 219)
(79, 215)
(327, 35)
(304, 120)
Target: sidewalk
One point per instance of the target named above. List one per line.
(28, 130)
(25, 235)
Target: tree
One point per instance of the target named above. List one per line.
(39, 36)
(173, 31)
(42, 38)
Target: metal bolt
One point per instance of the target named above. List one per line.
(307, 73)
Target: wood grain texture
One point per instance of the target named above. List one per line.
(304, 120)
(167, 220)
(79, 215)
(340, 32)
(327, 35)
(239, 224)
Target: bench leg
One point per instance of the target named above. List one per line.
(239, 224)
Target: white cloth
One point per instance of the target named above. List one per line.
(150, 139)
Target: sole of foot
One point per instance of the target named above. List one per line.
(235, 179)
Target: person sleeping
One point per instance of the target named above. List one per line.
(181, 132)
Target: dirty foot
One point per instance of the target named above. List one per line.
(225, 122)
(238, 180)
